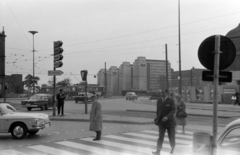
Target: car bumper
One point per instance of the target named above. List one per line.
(25, 106)
(40, 127)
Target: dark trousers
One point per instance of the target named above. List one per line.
(60, 106)
(171, 135)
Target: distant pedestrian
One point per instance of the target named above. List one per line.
(96, 118)
(165, 121)
(233, 98)
(181, 114)
(237, 99)
(61, 97)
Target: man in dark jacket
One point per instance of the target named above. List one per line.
(60, 98)
(165, 121)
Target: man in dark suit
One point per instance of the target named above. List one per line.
(165, 121)
(60, 98)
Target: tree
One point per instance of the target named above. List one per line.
(29, 81)
(50, 81)
(19, 89)
(65, 83)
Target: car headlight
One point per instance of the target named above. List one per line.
(40, 122)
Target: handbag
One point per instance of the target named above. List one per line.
(181, 114)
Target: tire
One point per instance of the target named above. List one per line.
(76, 101)
(19, 131)
(46, 107)
(29, 108)
(32, 132)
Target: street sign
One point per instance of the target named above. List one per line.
(206, 52)
(224, 76)
(58, 57)
(56, 73)
(58, 64)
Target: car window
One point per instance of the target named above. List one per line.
(232, 139)
(7, 109)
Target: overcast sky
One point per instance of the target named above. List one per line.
(112, 31)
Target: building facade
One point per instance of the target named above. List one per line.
(125, 77)
(112, 81)
(140, 74)
(14, 83)
(101, 77)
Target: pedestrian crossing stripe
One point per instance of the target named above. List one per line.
(139, 143)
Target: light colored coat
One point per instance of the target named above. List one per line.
(96, 117)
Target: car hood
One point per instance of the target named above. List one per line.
(33, 100)
(26, 115)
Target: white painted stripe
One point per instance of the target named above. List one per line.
(177, 135)
(90, 148)
(136, 141)
(11, 152)
(121, 146)
(156, 132)
(155, 138)
(50, 150)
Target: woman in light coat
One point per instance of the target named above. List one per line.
(96, 118)
(180, 106)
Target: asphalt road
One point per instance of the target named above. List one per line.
(62, 130)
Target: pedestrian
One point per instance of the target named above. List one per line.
(96, 118)
(233, 99)
(165, 121)
(237, 99)
(60, 97)
(181, 114)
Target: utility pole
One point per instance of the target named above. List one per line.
(179, 48)
(166, 53)
(2, 63)
(105, 79)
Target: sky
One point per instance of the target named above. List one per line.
(113, 31)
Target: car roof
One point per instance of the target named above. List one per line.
(4, 104)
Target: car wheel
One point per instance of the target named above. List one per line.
(46, 107)
(33, 132)
(29, 108)
(76, 101)
(19, 131)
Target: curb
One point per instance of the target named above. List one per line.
(108, 121)
(188, 114)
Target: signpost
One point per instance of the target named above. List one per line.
(55, 73)
(84, 78)
(209, 56)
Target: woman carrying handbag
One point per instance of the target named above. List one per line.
(181, 114)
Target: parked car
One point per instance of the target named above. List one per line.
(82, 97)
(228, 141)
(19, 124)
(42, 101)
(131, 96)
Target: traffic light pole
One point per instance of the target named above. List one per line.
(215, 100)
(86, 98)
(54, 84)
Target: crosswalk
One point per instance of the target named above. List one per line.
(128, 143)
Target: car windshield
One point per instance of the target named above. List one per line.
(7, 109)
(38, 97)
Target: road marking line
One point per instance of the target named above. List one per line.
(138, 149)
(50, 150)
(156, 132)
(90, 148)
(135, 140)
(177, 135)
(156, 137)
(11, 152)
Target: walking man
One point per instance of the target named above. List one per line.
(96, 118)
(165, 121)
(60, 98)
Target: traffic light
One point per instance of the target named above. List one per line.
(58, 54)
(84, 75)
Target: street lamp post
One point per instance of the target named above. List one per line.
(33, 32)
(179, 48)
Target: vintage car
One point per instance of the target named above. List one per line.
(228, 142)
(19, 124)
(131, 96)
(82, 97)
(42, 101)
